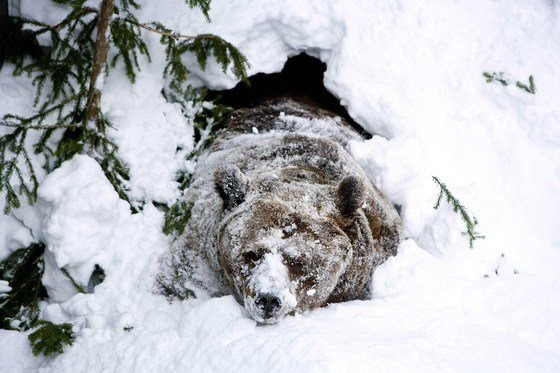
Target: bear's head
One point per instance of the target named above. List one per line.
(278, 255)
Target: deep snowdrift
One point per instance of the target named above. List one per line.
(412, 74)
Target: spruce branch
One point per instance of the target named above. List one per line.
(50, 338)
(500, 78)
(126, 37)
(531, 88)
(68, 92)
(202, 45)
(71, 72)
(470, 222)
(204, 6)
(496, 76)
(17, 176)
(77, 13)
(127, 5)
(176, 218)
(105, 151)
(23, 270)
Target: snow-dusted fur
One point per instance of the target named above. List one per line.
(282, 217)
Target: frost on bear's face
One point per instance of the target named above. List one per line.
(284, 263)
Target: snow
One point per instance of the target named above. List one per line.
(4, 287)
(411, 72)
(141, 115)
(16, 353)
(81, 214)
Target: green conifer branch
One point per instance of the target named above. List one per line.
(17, 175)
(531, 88)
(500, 78)
(204, 6)
(50, 338)
(67, 97)
(128, 41)
(22, 269)
(203, 45)
(176, 218)
(496, 76)
(470, 222)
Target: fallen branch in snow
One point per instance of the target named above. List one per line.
(470, 222)
(50, 338)
(528, 88)
(501, 78)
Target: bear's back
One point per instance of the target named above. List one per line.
(283, 115)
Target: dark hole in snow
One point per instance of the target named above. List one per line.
(97, 277)
(301, 79)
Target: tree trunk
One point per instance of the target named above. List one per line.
(100, 58)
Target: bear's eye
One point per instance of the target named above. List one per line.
(251, 256)
(295, 266)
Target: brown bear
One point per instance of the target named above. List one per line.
(282, 217)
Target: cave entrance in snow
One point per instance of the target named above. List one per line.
(301, 78)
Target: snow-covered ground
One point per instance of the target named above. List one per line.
(410, 72)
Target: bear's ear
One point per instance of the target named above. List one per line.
(231, 185)
(351, 195)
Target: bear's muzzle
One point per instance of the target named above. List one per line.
(270, 293)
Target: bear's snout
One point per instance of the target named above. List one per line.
(270, 294)
(268, 303)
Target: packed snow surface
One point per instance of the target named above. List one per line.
(409, 72)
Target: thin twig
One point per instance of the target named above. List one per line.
(37, 127)
(175, 36)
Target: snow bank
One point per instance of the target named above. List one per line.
(411, 72)
(81, 215)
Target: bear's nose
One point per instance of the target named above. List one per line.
(268, 303)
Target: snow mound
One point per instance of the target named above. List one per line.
(81, 212)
